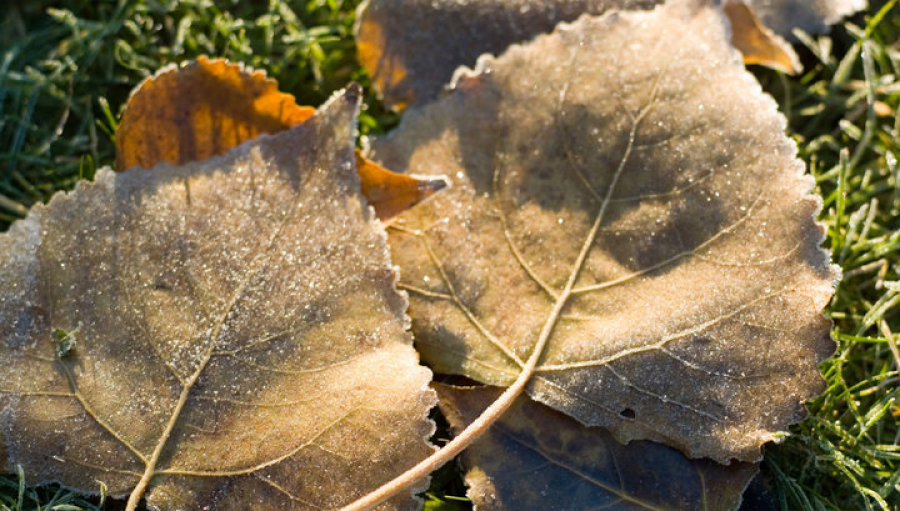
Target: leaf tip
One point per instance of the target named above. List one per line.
(353, 93)
(429, 185)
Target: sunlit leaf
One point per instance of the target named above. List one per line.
(623, 187)
(537, 459)
(205, 108)
(391, 193)
(238, 342)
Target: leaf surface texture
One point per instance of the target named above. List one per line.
(238, 339)
(623, 186)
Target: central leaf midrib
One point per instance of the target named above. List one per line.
(150, 470)
(587, 245)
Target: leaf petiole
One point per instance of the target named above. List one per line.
(407, 479)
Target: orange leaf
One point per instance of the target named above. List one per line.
(208, 106)
(200, 110)
(391, 193)
(758, 44)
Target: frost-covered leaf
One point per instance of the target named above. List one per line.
(205, 107)
(537, 459)
(624, 187)
(234, 339)
(412, 47)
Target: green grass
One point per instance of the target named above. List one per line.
(844, 115)
(66, 71)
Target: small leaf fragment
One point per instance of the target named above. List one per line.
(758, 44)
(570, 466)
(625, 186)
(241, 343)
(206, 107)
(65, 342)
(391, 193)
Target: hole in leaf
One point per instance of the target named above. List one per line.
(627, 413)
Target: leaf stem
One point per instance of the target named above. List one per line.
(150, 471)
(407, 479)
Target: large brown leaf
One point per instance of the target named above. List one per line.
(624, 187)
(537, 459)
(412, 47)
(239, 342)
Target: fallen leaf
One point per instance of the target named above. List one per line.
(237, 338)
(537, 459)
(206, 107)
(759, 495)
(623, 188)
(411, 48)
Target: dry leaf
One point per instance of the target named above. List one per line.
(537, 459)
(624, 187)
(206, 107)
(200, 110)
(412, 47)
(226, 333)
(391, 193)
(757, 43)
(759, 495)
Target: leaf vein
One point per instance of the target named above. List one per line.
(662, 397)
(435, 260)
(265, 464)
(621, 280)
(662, 342)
